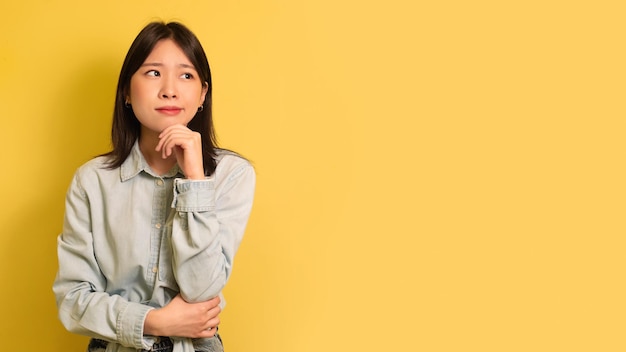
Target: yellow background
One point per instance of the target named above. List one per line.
(432, 175)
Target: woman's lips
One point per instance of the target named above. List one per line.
(169, 110)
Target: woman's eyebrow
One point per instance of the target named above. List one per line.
(158, 64)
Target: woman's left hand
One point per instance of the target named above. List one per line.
(186, 146)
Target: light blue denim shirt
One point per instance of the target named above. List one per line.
(132, 240)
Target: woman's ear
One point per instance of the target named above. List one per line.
(205, 90)
(126, 95)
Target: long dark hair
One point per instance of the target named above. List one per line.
(126, 128)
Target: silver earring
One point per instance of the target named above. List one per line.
(127, 104)
(201, 108)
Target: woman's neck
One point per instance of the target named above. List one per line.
(147, 145)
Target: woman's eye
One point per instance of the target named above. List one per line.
(153, 73)
(187, 76)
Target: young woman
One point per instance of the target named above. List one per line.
(151, 228)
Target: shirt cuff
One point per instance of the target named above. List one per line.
(194, 195)
(130, 326)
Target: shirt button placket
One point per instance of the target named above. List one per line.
(158, 218)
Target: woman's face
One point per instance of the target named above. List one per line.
(166, 89)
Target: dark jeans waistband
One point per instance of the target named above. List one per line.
(164, 344)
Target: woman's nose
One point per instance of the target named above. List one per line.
(168, 89)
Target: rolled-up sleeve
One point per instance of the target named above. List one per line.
(84, 307)
(208, 227)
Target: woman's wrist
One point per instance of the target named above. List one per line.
(151, 323)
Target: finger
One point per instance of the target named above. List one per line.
(212, 324)
(162, 136)
(169, 131)
(168, 142)
(207, 333)
(213, 312)
(179, 137)
(214, 302)
(182, 142)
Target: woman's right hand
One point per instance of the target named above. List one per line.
(182, 319)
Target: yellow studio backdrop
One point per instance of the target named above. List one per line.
(432, 175)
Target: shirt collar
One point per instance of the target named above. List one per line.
(136, 163)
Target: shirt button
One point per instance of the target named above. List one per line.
(154, 270)
(159, 182)
(158, 225)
